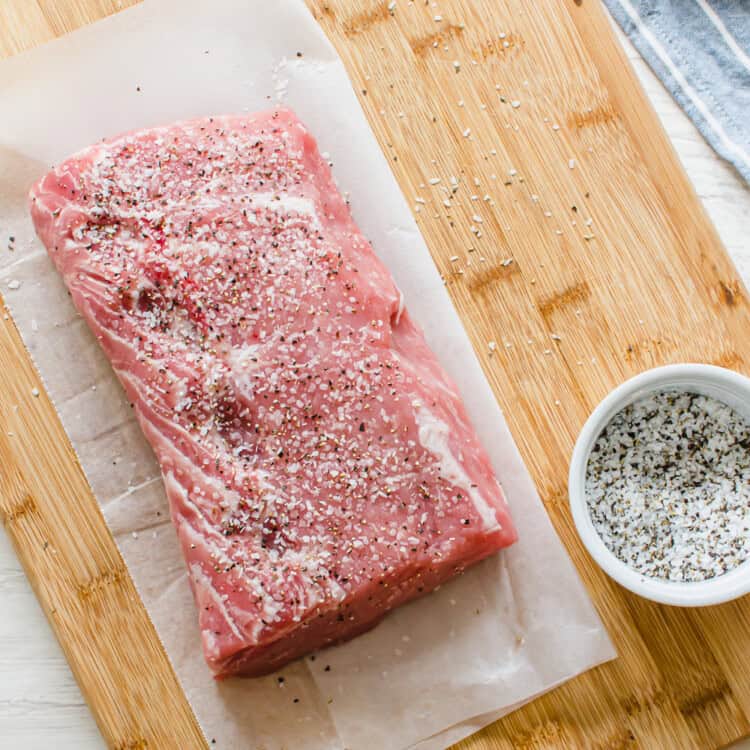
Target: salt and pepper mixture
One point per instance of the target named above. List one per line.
(668, 486)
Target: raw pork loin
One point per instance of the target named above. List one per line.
(319, 464)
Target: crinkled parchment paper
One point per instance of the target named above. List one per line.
(435, 670)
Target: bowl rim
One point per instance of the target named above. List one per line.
(721, 383)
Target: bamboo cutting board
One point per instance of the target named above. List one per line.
(613, 268)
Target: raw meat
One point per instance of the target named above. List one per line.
(319, 464)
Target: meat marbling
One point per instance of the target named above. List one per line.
(320, 466)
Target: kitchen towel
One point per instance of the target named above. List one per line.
(700, 51)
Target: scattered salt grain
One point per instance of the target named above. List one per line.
(14, 284)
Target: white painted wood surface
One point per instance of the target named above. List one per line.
(40, 704)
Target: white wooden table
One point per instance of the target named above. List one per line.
(40, 704)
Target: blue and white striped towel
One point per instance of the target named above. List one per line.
(699, 49)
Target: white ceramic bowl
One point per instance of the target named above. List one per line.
(727, 386)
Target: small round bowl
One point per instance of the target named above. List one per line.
(727, 386)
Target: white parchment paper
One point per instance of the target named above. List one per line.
(435, 670)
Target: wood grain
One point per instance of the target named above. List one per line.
(610, 251)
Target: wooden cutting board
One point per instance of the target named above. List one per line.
(611, 252)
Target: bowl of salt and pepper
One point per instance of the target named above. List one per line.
(659, 484)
